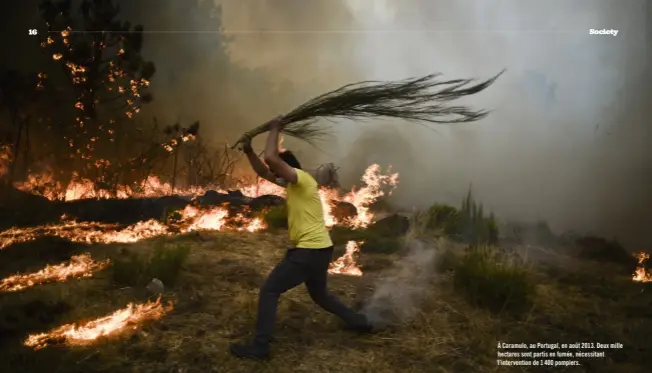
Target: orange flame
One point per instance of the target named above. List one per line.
(78, 266)
(130, 317)
(641, 275)
(345, 265)
(376, 184)
(365, 196)
(192, 219)
(85, 232)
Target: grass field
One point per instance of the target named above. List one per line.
(466, 302)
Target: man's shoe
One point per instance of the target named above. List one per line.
(250, 351)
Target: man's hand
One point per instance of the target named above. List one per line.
(246, 145)
(276, 123)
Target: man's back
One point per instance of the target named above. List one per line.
(307, 227)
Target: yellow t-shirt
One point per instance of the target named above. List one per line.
(306, 222)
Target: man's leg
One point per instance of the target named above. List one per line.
(285, 276)
(317, 288)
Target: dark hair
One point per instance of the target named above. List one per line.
(289, 158)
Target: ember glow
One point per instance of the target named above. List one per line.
(641, 275)
(345, 265)
(78, 266)
(130, 317)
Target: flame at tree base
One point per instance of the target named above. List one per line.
(345, 265)
(641, 275)
(79, 266)
(73, 334)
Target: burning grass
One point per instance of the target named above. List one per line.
(78, 266)
(215, 303)
(87, 332)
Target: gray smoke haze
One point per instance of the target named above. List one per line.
(399, 290)
(568, 136)
(566, 142)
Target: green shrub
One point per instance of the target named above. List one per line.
(494, 281)
(444, 219)
(476, 228)
(468, 224)
(128, 270)
(165, 263)
(276, 217)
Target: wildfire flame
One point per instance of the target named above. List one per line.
(641, 275)
(78, 266)
(376, 184)
(130, 317)
(85, 232)
(345, 265)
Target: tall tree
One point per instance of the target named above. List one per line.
(101, 57)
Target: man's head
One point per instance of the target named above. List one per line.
(289, 158)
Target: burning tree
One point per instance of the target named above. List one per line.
(105, 73)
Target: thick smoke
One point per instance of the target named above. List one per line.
(396, 296)
(568, 137)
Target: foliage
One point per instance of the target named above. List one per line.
(497, 282)
(468, 224)
(165, 263)
(415, 99)
(445, 219)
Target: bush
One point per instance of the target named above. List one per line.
(468, 224)
(493, 281)
(165, 263)
(276, 217)
(444, 219)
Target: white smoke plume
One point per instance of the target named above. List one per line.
(397, 295)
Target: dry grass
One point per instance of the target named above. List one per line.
(216, 297)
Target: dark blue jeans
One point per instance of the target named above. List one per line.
(309, 266)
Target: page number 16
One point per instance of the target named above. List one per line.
(32, 31)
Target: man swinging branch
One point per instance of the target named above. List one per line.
(310, 254)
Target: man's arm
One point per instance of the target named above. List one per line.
(276, 164)
(258, 166)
